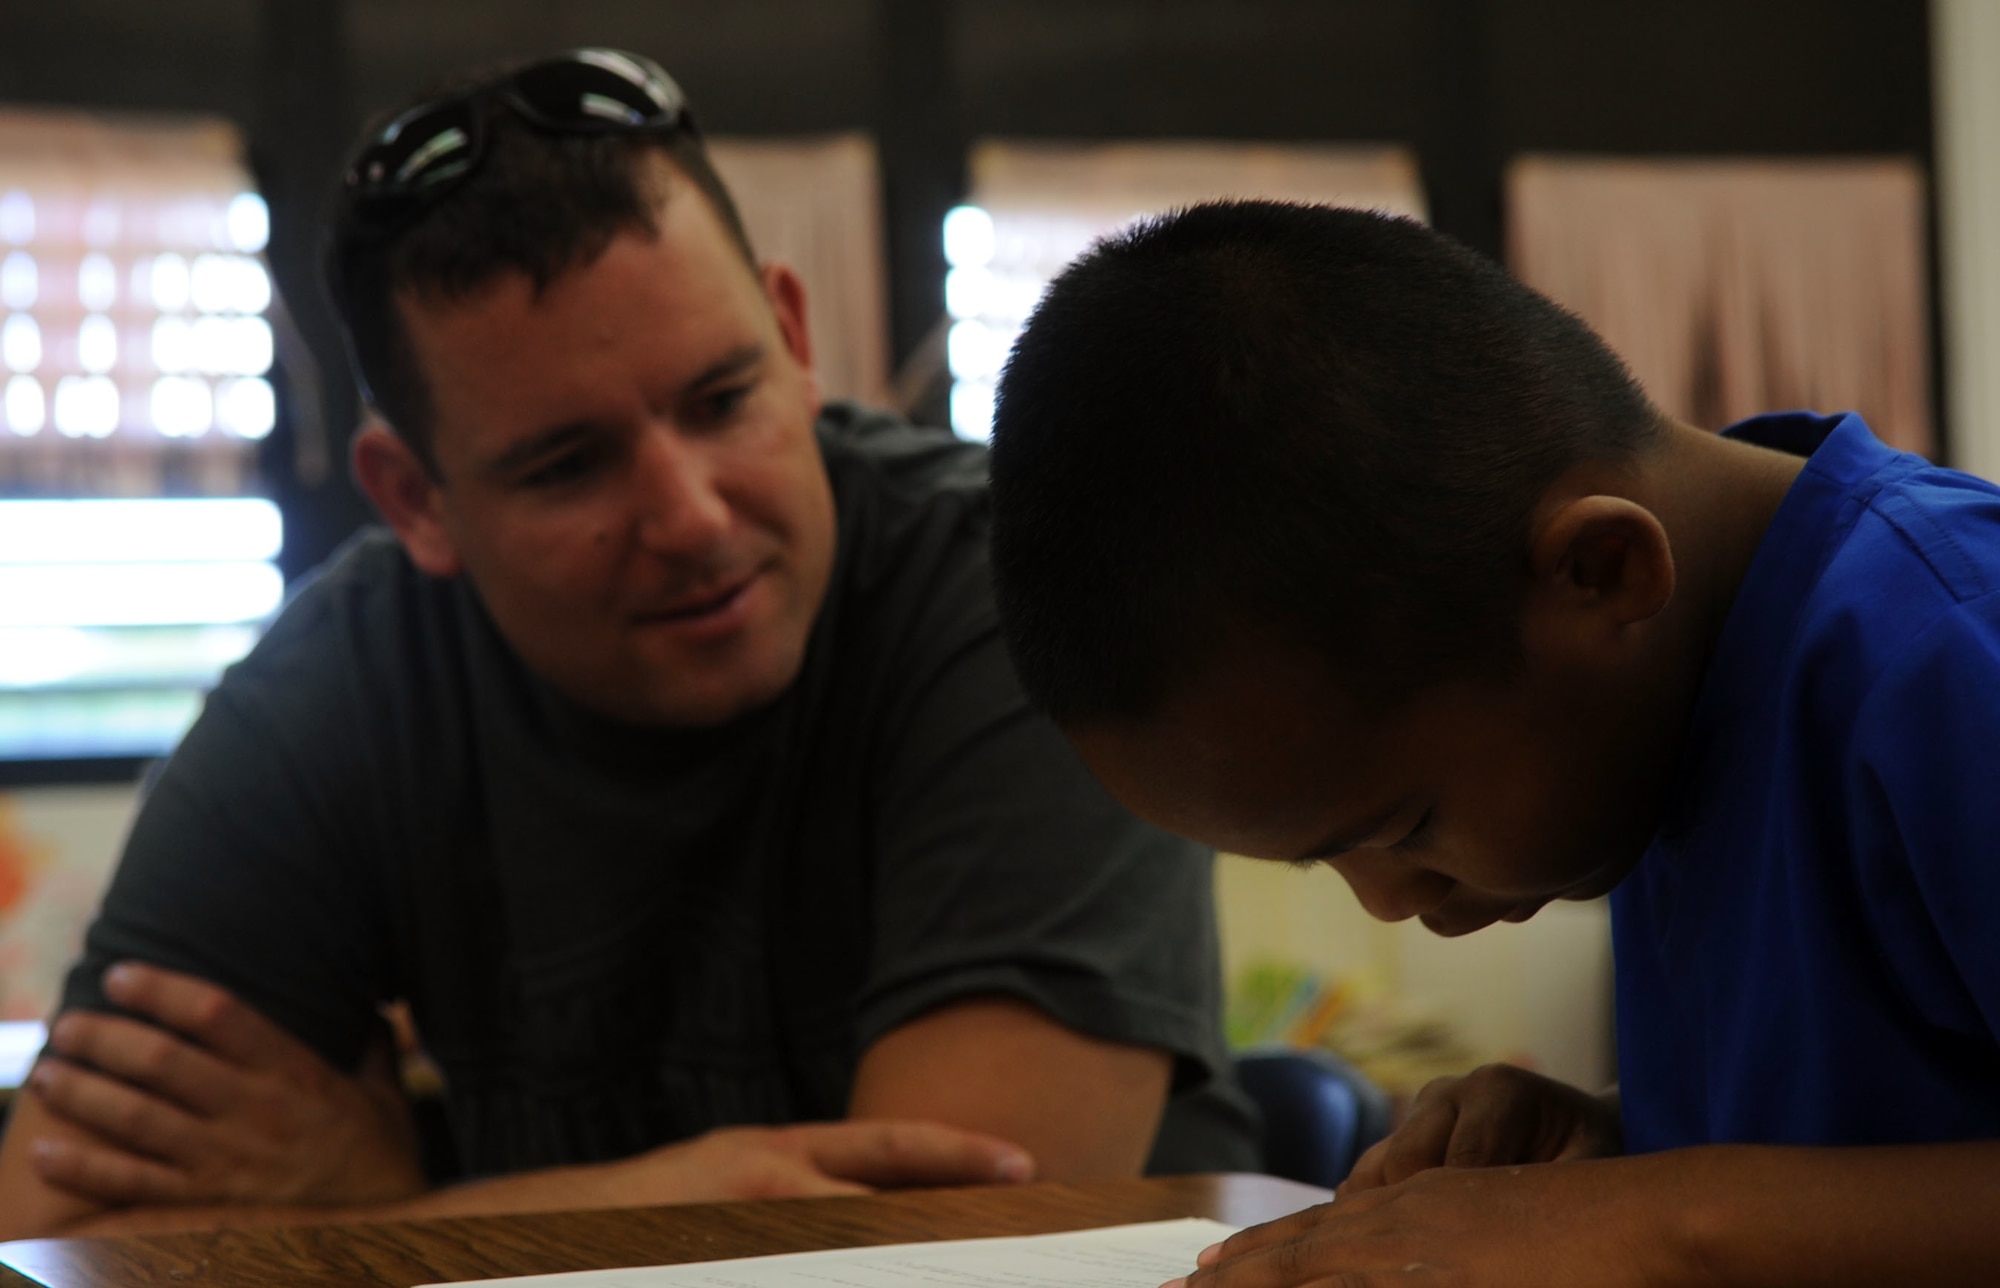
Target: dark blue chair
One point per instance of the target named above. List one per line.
(1319, 1112)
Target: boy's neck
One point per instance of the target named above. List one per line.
(1716, 498)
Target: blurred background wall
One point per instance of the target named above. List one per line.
(1463, 87)
(1465, 84)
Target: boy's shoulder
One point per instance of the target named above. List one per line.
(1873, 547)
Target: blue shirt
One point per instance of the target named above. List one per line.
(1809, 953)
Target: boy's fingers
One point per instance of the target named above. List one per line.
(907, 1153)
(209, 1014)
(1420, 1143)
(1485, 1135)
(145, 1056)
(1367, 1171)
(125, 1116)
(105, 1175)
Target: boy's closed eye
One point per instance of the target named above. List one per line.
(1419, 835)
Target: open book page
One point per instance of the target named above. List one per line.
(1119, 1256)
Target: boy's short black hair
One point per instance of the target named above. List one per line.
(539, 203)
(1330, 422)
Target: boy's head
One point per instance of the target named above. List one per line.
(1284, 540)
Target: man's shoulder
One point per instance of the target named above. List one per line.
(364, 633)
(362, 595)
(885, 454)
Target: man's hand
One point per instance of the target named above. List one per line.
(213, 1103)
(803, 1161)
(1496, 1116)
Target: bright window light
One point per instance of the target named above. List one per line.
(21, 343)
(170, 283)
(100, 224)
(21, 1041)
(968, 237)
(86, 407)
(140, 530)
(149, 594)
(97, 282)
(26, 406)
(249, 222)
(33, 656)
(97, 344)
(78, 657)
(972, 410)
(173, 345)
(232, 346)
(969, 292)
(20, 282)
(182, 406)
(230, 284)
(17, 217)
(975, 351)
(246, 408)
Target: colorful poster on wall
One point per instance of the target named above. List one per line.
(57, 848)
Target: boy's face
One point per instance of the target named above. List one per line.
(1464, 805)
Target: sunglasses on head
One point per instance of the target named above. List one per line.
(429, 150)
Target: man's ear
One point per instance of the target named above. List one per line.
(1600, 564)
(787, 293)
(410, 499)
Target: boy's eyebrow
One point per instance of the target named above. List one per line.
(1351, 836)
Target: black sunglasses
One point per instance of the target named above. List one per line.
(430, 149)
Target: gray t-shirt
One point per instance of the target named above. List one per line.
(615, 937)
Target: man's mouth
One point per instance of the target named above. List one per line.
(698, 605)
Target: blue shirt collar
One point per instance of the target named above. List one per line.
(1846, 466)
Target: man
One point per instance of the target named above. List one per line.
(666, 761)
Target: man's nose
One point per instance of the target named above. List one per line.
(1392, 891)
(680, 499)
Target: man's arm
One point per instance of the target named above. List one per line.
(1085, 1108)
(217, 1117)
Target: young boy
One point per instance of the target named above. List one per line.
(1325, 541)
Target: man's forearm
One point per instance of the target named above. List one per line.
(1087, 1109)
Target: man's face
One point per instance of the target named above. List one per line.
(1465, 805)
(628, 471)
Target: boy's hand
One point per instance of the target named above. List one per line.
(1496, 1116)
(1516, 1227)
(207, 1101)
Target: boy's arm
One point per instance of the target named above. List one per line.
(1729, 1214)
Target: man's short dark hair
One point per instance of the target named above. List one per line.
(1329, 422)
(539, 203)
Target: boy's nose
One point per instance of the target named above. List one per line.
(1391, 891)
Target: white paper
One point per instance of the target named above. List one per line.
(1119, 1256)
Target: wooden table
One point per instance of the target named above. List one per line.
(402, 1253)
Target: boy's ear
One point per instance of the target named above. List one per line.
(1604, 562)
(410, 499)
